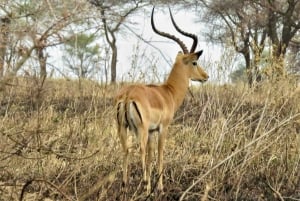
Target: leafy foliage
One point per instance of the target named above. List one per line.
(82, 54)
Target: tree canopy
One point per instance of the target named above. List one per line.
(31, 29)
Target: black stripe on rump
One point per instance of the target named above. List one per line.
(137, 110)
(118, 113)
(126, 115)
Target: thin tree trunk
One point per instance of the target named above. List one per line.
(4, 32)
(248, 68)
(114, 63)
(42, 61)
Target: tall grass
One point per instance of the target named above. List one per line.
(58, 142)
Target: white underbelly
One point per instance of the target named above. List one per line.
(155, 127)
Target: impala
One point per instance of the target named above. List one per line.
(146, 109)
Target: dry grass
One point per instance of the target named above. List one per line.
(58, 142)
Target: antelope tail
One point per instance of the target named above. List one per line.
(129, 115)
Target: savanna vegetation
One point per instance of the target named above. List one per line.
(59, 142)
(237, 140)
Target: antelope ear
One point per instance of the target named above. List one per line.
(179, 56)
(179, 53)
(198, 54)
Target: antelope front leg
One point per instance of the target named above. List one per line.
(150, 148)
(144, 141)
(161, 144)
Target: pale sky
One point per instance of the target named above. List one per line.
(149, 55)
(185, 20)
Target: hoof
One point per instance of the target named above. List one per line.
(144, 183)
(124, 187)
(123, 184)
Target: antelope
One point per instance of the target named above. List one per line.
(146, 109)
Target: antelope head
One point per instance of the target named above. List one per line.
(189, 59)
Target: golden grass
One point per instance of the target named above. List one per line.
(58, 142)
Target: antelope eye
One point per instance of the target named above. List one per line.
(194, 63)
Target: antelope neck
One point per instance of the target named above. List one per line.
(177, 83)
